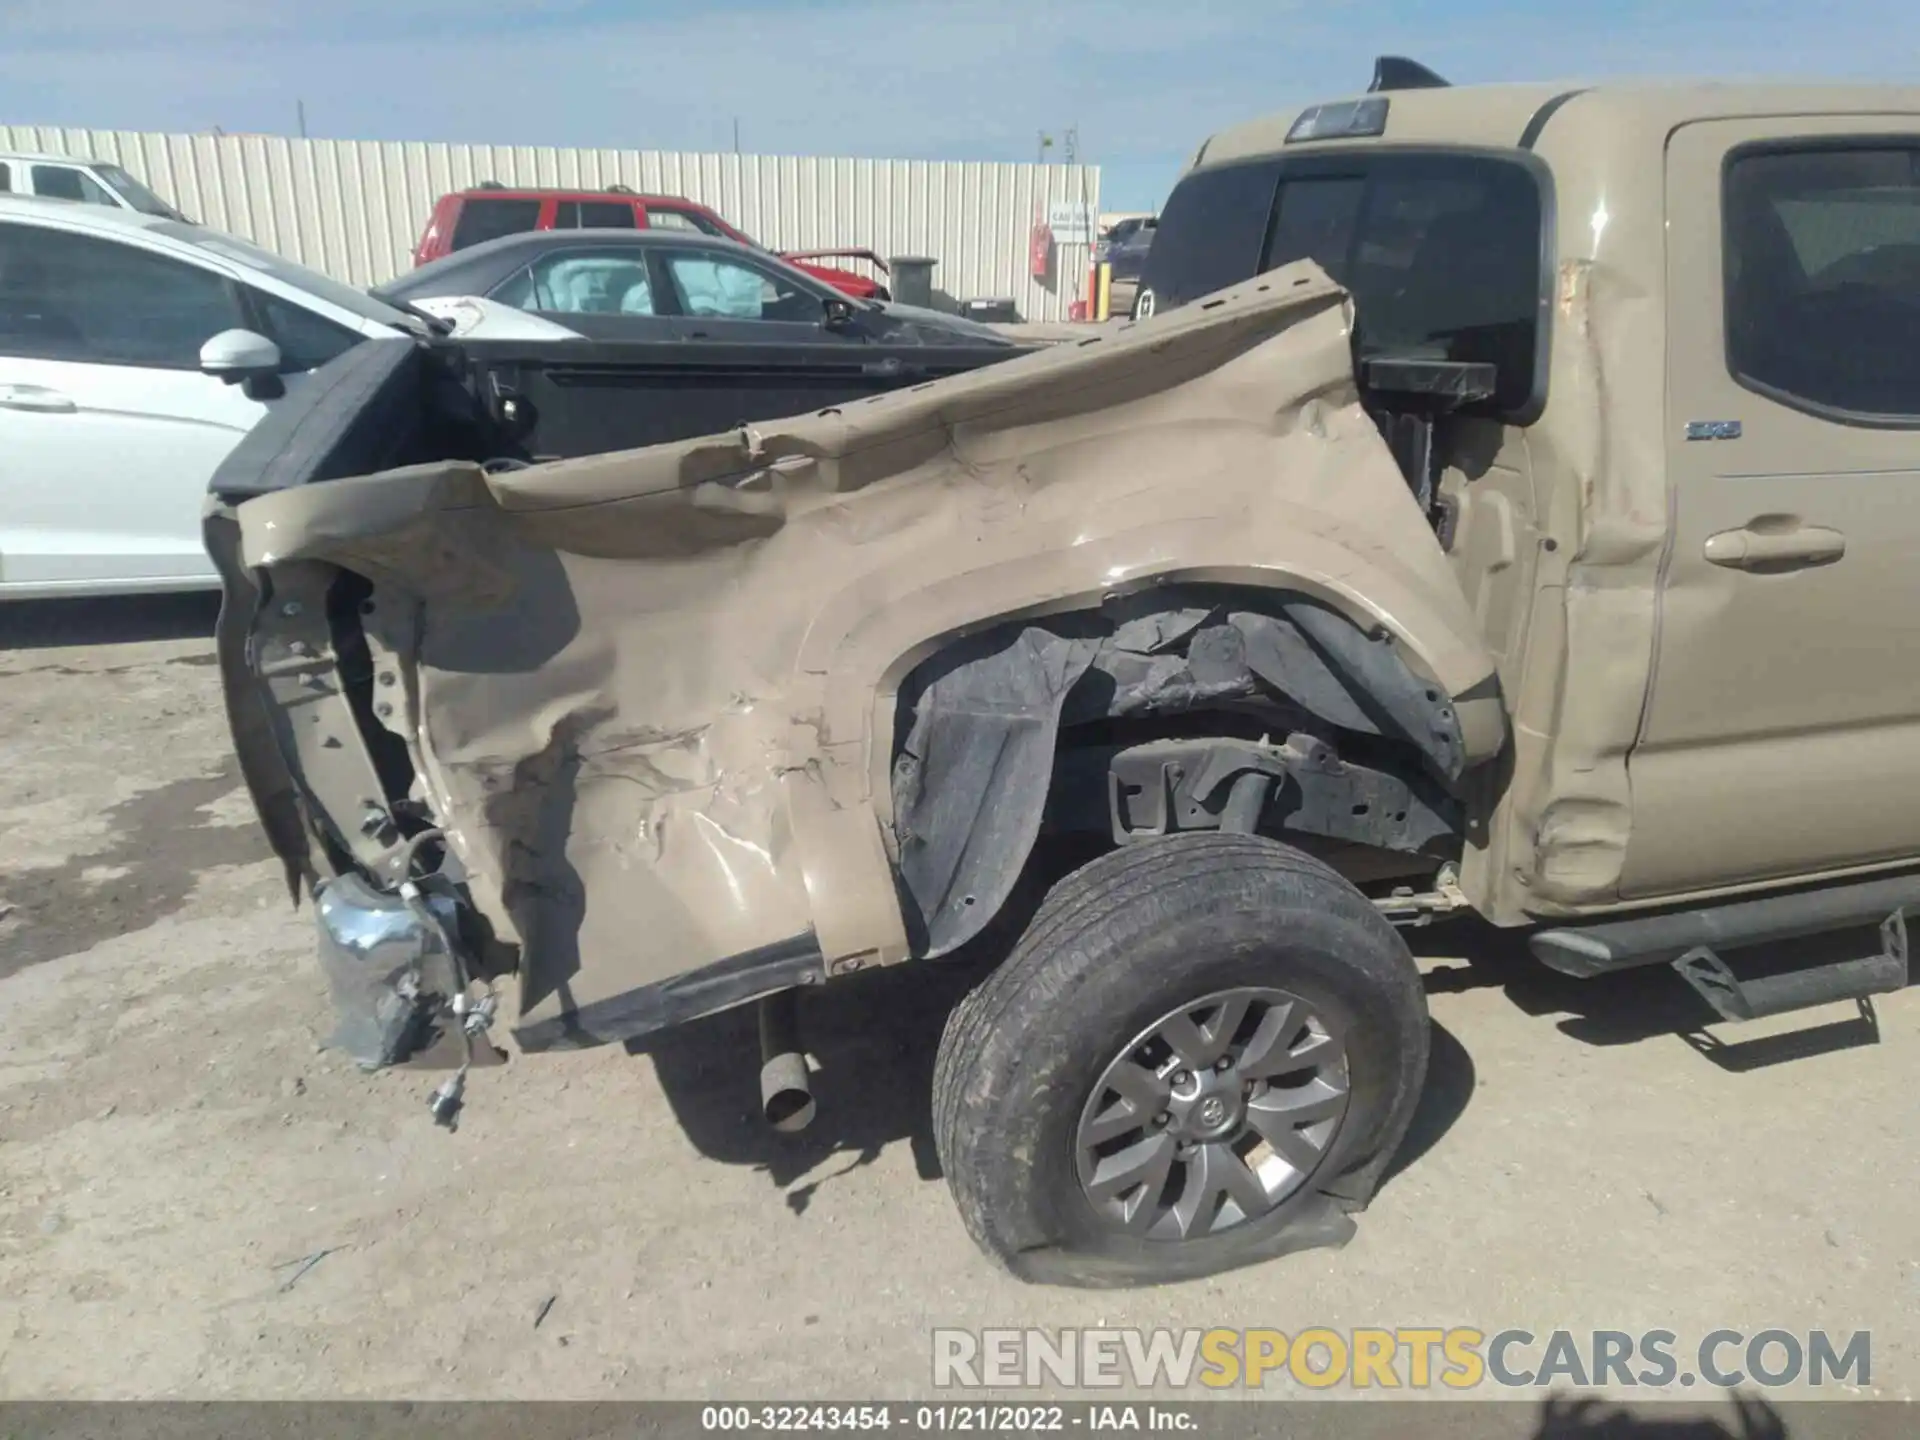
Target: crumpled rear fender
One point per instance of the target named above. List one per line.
(651, 695)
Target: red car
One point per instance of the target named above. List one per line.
(489, 211)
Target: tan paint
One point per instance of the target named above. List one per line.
(1586, 490)
(714, 633)
(694, 724)
(1824, 724)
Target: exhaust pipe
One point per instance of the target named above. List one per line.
(786, 1092)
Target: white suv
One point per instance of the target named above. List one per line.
(135, 351)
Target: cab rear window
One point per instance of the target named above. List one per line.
(1211, 232)
(1442, 251)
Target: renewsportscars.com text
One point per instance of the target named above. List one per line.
(1403, 1358)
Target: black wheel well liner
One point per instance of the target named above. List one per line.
(979, 723)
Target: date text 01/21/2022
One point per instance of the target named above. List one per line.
(935, 1419)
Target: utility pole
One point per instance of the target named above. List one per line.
(1046, 144)
(300, 109)
(736, 134)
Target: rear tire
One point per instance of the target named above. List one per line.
(1302, 1006)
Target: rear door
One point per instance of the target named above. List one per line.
(108, 430)
(1781, 736)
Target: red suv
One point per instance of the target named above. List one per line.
(468, 217)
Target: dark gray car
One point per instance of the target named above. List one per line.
(646, 285)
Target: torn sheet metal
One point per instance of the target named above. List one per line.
(972, 777)
(651, 696)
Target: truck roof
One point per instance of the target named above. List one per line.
(1510, 115)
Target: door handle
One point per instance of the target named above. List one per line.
(1765, 548)
(36, 398)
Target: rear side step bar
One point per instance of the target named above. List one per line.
(1735, 999)
(1662, 939)
(1690, 941)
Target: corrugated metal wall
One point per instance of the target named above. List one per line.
(355, 208)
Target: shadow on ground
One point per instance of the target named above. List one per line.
(107, 620)
(875, 1035)
(1637, 1006)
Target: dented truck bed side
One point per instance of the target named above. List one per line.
(653, 698)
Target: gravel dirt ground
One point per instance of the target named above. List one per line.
(198, 1201)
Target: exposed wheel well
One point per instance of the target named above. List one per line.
(1144, 717)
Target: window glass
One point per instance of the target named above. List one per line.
(660, 219)
(62, 182)
(516, 290)
(606, 215)
(488, 219)
(6, 179)
(1822, 265)
(1446, 264)
(709, 284)
(1315, 219)
(235, 251)
(306, 340)
(580, 282)
(1441, 254)
(136, 194)
(1211, 232)
(74, 297)
(566, 215)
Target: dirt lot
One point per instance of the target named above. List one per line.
(171, 1136)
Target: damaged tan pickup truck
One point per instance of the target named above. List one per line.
(1522, 520)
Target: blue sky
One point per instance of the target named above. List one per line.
(1144, 80)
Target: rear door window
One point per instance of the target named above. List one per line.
(6, 179)
(1822, 274)
(483, 218)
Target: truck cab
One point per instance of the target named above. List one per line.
(1682, 514)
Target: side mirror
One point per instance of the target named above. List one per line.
(243, 358)
(839, 314)
(237, 355)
